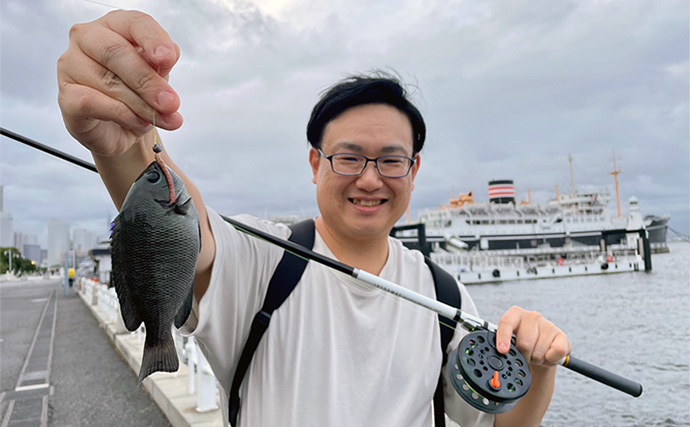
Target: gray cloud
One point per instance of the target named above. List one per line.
(508, 91)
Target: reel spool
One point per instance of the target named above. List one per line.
(488, 380)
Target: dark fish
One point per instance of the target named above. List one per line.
(154, 245)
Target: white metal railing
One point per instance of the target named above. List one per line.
(202, 382)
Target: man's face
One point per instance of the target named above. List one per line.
(366, 206)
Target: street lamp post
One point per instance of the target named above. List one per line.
(9, 257)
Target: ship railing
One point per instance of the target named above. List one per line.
(478, 261)
(658, 245)
(487, 261)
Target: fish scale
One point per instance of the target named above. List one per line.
(155, 244)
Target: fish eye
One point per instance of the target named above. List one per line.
(154, 177)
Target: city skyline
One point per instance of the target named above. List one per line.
(57, 237)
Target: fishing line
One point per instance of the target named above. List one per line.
(476, 354)
(101, 4)
(157, 149)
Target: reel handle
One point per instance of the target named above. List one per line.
(603, 376)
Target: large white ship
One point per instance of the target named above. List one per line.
(570, 235)
(569, 220)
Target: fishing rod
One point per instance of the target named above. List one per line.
(475, 367)
(47, 149)
(467, 321)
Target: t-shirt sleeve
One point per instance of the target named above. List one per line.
(456, 408)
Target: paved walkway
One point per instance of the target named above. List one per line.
(168, 390)
(59, 368)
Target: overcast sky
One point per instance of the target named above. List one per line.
(508, 89)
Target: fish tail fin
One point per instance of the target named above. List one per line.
(158, 357)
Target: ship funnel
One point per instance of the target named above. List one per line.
(502, 191)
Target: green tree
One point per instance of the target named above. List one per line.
(20, 265)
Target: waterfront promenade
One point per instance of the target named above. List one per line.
(63, 365)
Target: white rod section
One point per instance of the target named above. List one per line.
(421, 300)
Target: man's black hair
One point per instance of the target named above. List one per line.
(380, 88)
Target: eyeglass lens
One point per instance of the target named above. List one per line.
(353, 164)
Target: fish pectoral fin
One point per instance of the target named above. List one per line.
(183, 208)
(129, 315)
(186, 308)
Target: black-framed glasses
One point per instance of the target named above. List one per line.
(350, 164)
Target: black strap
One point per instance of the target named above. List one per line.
(447, 292)
(284, 280)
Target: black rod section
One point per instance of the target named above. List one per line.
(603, 376)
(50, 150)
(292, 247)
(588, 370)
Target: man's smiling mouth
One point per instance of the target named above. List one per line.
(367, 203)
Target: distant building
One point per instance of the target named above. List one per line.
(6, 230)
(21, 239)
(33, 252)
(58, 241)
(18, 241)
(6, 224)
(82, 239)
(100, 254)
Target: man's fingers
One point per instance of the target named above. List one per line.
(527, 336)
(82, 102)
(124, 61)
(539, 340)
(142, 30)
(559, 348)
(509, 323)
(86, 108)
(551, 346)
(83, 71)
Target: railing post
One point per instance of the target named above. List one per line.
(206, 395)
(191, 352)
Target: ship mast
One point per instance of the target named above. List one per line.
(615, 177)
(572, 180)
(558, 195)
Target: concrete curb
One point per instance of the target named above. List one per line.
(168, 390)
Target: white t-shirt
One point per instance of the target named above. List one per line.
(337, 352)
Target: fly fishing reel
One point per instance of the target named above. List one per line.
(488, 380)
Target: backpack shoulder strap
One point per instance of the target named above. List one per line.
(447, 292)
(284, 280)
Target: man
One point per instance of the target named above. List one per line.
(337, 352)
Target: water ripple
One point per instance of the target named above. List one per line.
(635, 325)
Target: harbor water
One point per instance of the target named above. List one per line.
(634, 324)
